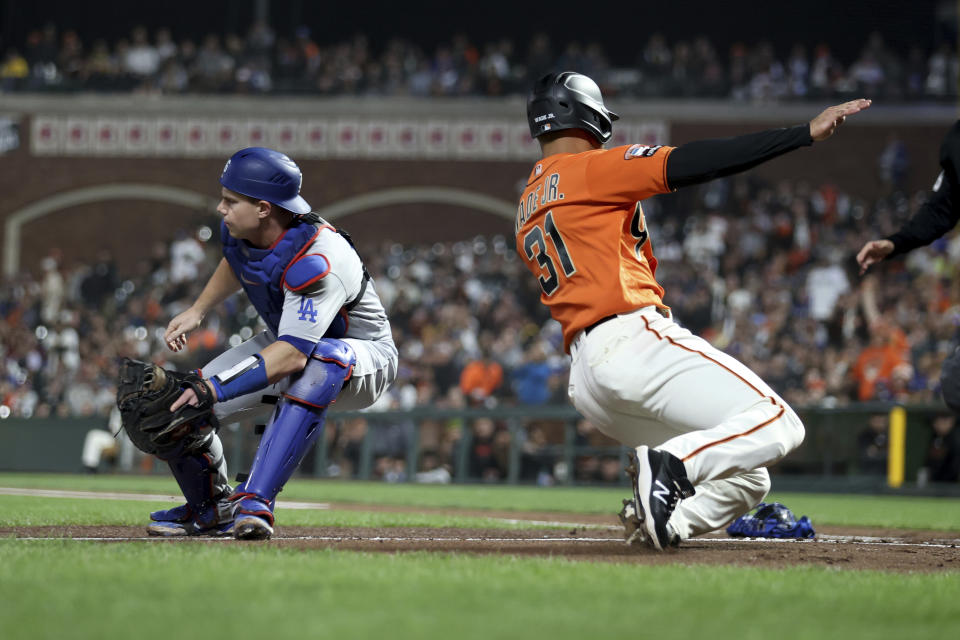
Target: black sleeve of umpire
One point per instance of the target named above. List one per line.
(704, 160)
(934, 218)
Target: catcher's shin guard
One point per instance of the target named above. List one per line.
(201, 472)
(296, 424)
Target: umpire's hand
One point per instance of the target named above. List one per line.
(873, 252)
(823, 126)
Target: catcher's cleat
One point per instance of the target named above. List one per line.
(215, 520)
(254, 518)
(170, 529)
(659, 483)
(183, 513)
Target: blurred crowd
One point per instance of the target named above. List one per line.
(263, 61)
(763, 271)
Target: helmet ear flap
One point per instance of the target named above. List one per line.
(568, 100)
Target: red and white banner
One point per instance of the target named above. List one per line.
(434, 139)
(107, 139)
(316, 139)
(229, 136)
(522, 146)
(170, 137)
(346, 142)
(138, 136)
(496, 140)
(198, 139)
(651, 133)
(257, 134)
(376, 139)
(285, 136)
(77, 136)
(46, 135)
(466, 140)
(408, 138)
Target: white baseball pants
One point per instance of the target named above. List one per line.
(644, 380)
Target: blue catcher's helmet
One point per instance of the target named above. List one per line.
(771, 520)
(265, 174)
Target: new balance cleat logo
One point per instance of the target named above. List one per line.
(661, 492)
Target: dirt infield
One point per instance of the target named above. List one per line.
(581, 538)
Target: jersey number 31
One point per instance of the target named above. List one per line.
(535, 247)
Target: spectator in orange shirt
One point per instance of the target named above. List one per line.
(887, 352)
(878, 361)
(480, 378)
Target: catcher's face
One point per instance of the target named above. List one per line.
(241, 216)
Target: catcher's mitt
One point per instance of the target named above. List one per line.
(145, 392)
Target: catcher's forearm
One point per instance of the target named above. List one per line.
(277, 361)
(249, 375)
(221, 285)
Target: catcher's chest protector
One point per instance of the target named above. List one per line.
(260, 271)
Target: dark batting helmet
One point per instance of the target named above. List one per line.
(265, 174)
(568, 100)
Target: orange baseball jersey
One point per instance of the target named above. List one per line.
(580, 229)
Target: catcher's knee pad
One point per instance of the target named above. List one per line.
(298, 419)
(328, 368)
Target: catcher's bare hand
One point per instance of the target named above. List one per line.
(189, 396)
(823, 126)
(176, 333)
(872, 253)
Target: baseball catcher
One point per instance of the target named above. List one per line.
(328, 340)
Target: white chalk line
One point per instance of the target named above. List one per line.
(822, 538)
(281, 504)
(152, 497)
(843, 540)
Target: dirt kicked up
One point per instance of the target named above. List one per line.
(580, 538)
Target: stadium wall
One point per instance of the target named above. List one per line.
(416, 170)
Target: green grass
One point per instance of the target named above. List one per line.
(60, 588)
(823, 509)
(572, 500)
(20, 511)
(65, 589)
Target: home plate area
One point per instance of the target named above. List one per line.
(591, 541)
